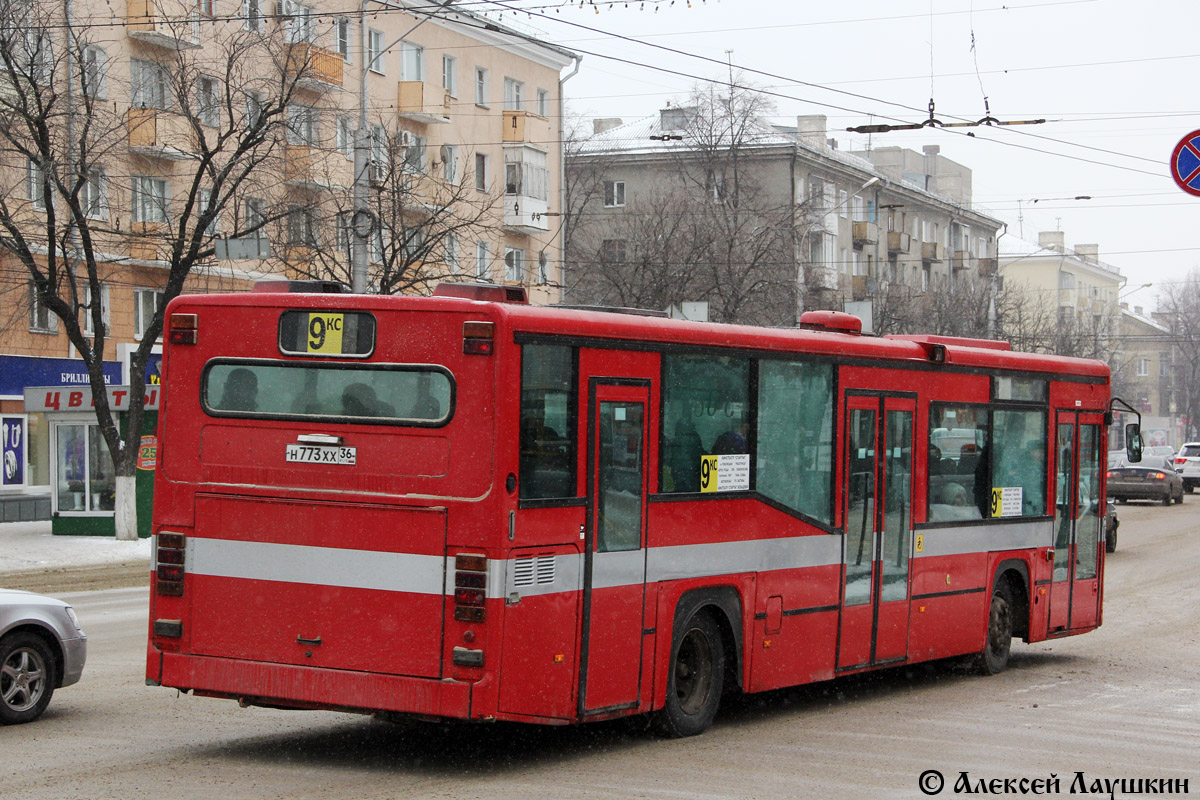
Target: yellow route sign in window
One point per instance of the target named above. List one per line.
(324, 333)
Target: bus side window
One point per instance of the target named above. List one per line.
(546, 462)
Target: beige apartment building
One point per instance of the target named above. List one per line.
(463, 176)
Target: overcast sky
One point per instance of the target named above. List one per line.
(1112, 77)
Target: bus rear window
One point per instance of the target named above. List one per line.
(396, 394)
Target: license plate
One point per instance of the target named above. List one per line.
(312, 454)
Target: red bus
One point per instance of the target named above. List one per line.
(463, 506)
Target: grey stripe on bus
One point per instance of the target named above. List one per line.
(986, 538)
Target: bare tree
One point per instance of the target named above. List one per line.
(1179, 307)
(103, 172)
(711, 231)
(423, 206)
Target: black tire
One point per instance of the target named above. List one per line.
(1166, 501)
(694, 679)
(1179, 498)
(1110, 542)
(1121, 500)
(27, 678)
(1188, 487)
(994, 656)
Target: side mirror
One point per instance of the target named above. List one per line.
(1133, 442)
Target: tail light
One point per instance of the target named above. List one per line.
(183, 329)
(479, 338)
(1181, 461)
(170, 555)
(1158, 476)
(1108, 474)
(470, 587)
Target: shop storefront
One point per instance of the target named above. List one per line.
(81, 476)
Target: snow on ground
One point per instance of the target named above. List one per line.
(30, 545)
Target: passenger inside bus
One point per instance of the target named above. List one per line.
(359, 400)
(240, 392)
(425, 406)
(685, 452)
(732, 441)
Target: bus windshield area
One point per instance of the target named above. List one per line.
(392, 394)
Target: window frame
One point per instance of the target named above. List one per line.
(611, 200)
(543, 103)
(481, 87)
(483, 260)
(145, 196)
(514, 264)
(450, 75)
(514, 94)
(375, 55)
(481, 169)
(41, 318)
(105, 309)
(140, 322)
(343, 35)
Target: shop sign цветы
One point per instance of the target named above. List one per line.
(58, 398)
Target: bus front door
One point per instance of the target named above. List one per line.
(615, 564)
(1078, 516)
(878, 531)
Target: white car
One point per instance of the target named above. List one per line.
(42, 648)
(1187, 464)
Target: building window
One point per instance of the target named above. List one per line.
(450, 75)
(375, 51)
(612, 252)
(204, 197)
(414, 154)
(514, 264)
(345, 136)
(1066, 280)
(254, 104)
(925, 278)
(450, 245)
(93, 195)
(298, 22)
(95, 72)
(1143, 367)
(254, 215)
(614, 194)
(543, 103)
(86, 311)
(145, 303)
(412, 64)
(482, 261)
(481, 172)
(514, 95)
(714, 185)
(148, 84)
(301, 125)
(525, 173)
(481, 87)
(41, 319)
(149, 199)
(35, 181)
(85, 470)
(252, 16)
(208, 103)
(300, 227)
(341, 38)
(450, 162)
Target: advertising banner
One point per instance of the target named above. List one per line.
(13, 451)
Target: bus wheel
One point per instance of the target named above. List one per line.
(994, 657)
(694, 682)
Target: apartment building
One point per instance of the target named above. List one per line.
(861, 225)
(154, 98)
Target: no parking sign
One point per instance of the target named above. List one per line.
(1185, 163)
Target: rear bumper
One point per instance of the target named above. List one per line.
(1139, 491)
(313, 687)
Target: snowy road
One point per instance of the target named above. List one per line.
(1120, 703)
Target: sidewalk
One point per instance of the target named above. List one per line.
(34, 559)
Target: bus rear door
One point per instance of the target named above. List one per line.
(1078, 514)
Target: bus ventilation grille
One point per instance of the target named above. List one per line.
(533, 570)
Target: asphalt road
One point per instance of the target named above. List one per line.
(1123, 702)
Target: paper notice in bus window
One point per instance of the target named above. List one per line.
(1006, 501)
(728, 473)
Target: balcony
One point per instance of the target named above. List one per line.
(153, 23)
(862, 287)
(312, 168)
(315, 68)
(522, 126)
(933, 251)
(160, 134)
(525, 214)
(145, 240)
(422, 102)
(899, 242)
(866, 233)
(963, 259)
(987, 267)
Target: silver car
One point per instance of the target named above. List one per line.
(42, 648)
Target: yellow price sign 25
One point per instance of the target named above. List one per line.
(324, 334)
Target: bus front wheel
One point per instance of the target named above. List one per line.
(697, 673)
(994, 657)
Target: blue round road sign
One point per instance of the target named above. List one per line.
(1185, 163)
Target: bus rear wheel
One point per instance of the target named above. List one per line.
(994, 657)
(697, 673)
